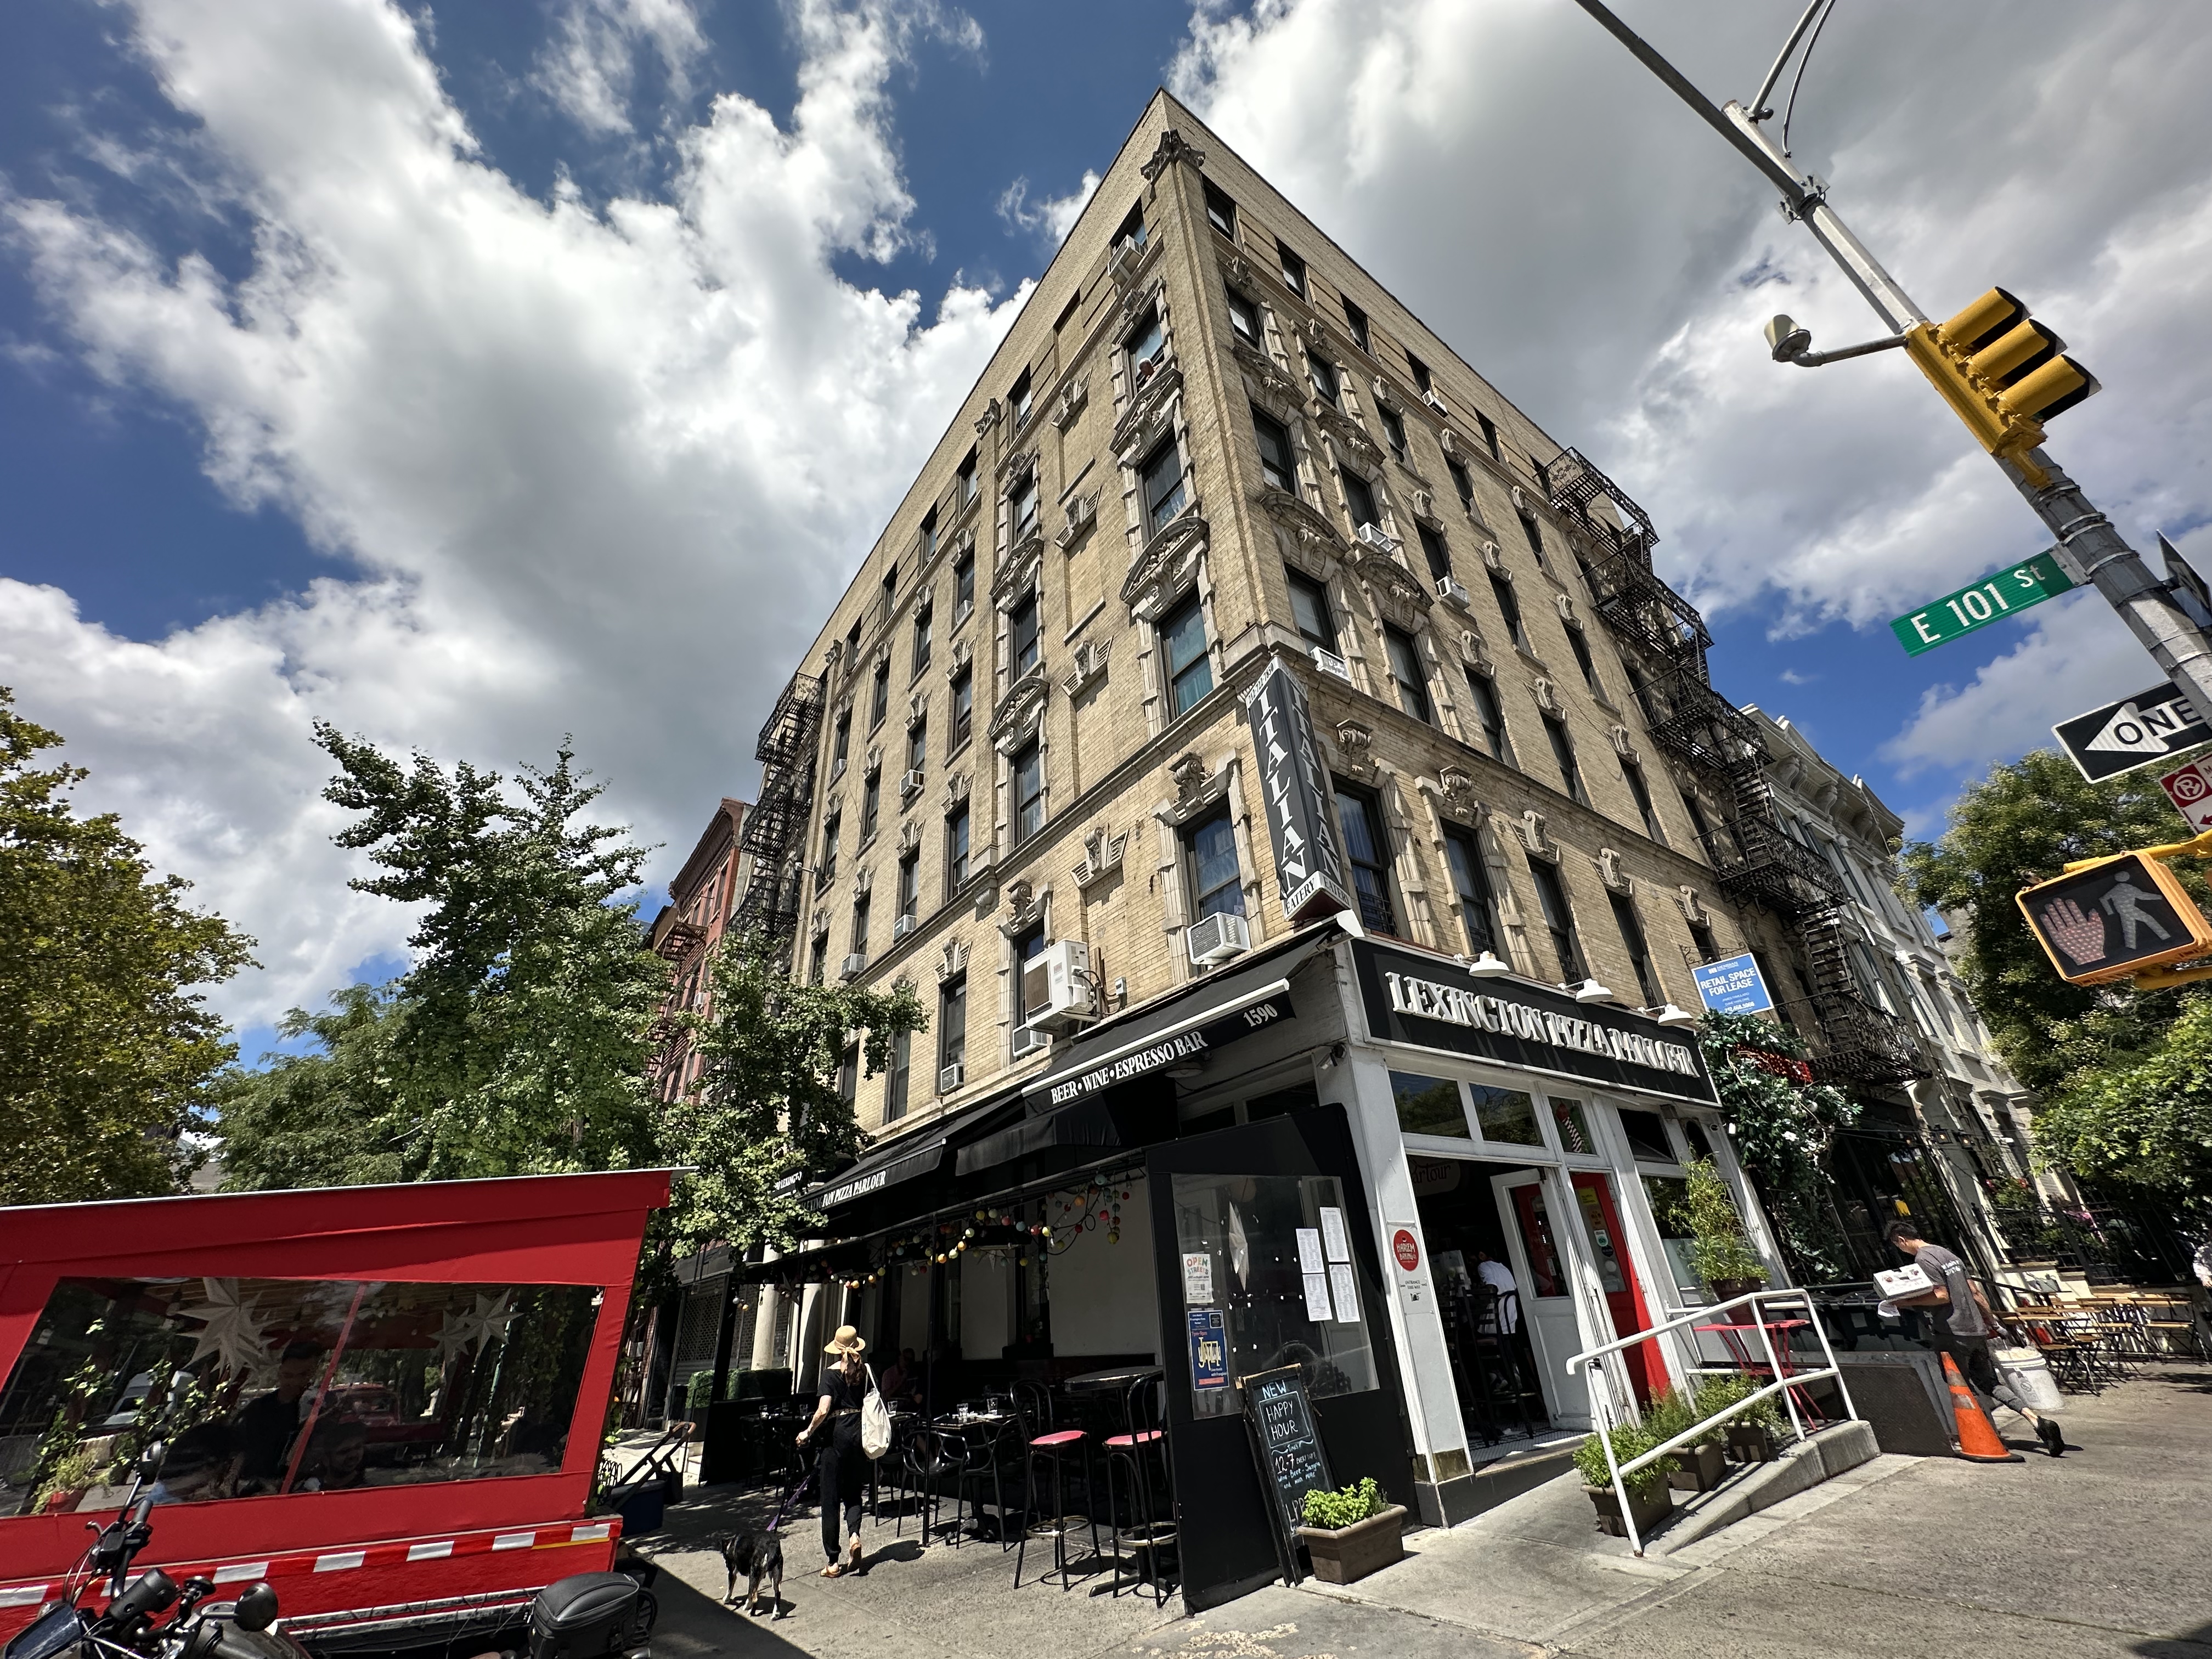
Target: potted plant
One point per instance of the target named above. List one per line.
(1719, 1251)
(1750, 1431)
(1351, 1533)
(1702, 1467)
(1649, 1500)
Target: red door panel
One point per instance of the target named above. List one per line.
(1624, 1296)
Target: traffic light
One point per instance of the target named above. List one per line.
(2113, 918)
(2001, 370)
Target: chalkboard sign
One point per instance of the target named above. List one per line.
(1287, 1444)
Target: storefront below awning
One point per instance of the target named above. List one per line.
(911, 1157)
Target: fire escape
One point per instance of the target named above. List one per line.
(1755, 858)
(776, 827)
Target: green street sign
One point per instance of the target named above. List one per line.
(1990, 599)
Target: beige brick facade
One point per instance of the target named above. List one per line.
(1066, 410)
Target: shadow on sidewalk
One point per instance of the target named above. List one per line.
(2195, 1644)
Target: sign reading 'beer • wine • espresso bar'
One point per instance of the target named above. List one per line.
(1420, 1000)
(1309, 873)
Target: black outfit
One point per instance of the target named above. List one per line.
(842, 1468)
(265, 1429)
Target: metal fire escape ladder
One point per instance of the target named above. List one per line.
(1755, 860)
(774, 828)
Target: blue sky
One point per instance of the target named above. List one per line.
(266, 320)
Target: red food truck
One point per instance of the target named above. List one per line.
(386, 1401)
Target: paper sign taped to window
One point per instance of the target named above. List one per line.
(1332, 1235)
(1345, 1290)
(1197, 1278)
(1317, 1309)
(1309, 1250)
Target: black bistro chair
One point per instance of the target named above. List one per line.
(1137, 1460)
(1048, 1449)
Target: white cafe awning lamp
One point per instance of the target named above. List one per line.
(1488, 966)
(1591, 991)
(1670, 1015)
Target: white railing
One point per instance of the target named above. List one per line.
(1606, 1406)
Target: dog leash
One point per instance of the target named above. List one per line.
(790, 1498)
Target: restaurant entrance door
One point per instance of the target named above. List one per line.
(1540, 1263)
(1616, 1273)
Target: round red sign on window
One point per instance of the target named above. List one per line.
(1406, 1248)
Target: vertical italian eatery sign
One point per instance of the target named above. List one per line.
(1309, 872)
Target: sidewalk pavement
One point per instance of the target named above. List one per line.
(2104, 1553)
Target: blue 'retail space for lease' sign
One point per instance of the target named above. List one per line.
(1733, 986)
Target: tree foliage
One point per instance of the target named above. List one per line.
(766, 1104)
(518, 1042)
(1782, 1130)
(2024, 823)
(2145, 1124)
(108, 1055)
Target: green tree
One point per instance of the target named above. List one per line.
(2024, 823)
(1781, 1130)
(767, 1104)
(518, 1042)
(108, 1055)
(2145, 1124)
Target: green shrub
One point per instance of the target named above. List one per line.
(1342, 1508)
(1717, 1394)
(1629, 1440)
(700, 1394)
(1718, 1248)
(1674, 1411)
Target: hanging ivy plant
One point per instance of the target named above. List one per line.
(1781, 1126)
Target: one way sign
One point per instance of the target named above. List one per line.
(2138, 731)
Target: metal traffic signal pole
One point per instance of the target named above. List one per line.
(2088, 541)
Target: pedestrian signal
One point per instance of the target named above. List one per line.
(2113, 918)
(2001, 371)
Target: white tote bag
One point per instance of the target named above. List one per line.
(875, 1420)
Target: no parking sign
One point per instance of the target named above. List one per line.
(2190, 789)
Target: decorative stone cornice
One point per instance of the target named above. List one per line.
(1020, 469)
(1353, 741)
(1082, 514)
(1101, 857)
(1693, 907)
(1566, 604)
(956, 790)
(1401, 599)
(1495, 561)
(917, 706)
(1089, 666)
(1347, 434)
(1474, 653)
(1386, 395)
(1167, 569)
(1198, 791)
(1535, 837)
(1069, 404)
(964, 651)
(1237, 269)
(1150, 413)
(1610, 872)
(1024, 907)
(1546, 695)
(1018, 571)
(909, 835)
(1293, 513)
(1172, 148)
(952, 959)
(989, 418)
(1021, 711)
(1453, 790)
(1624, 745)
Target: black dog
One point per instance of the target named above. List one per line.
(758, 1558)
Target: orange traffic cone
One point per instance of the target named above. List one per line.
(1977, 1438)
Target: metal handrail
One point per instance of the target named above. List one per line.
(1601, 1400)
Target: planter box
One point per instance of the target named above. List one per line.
(1649, 1511)
(1750, 1443)
(1726, 1290)
(1342, 1554)
(1704, 1467)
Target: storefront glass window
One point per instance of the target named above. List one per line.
(1647, 1135)
(261, 1386)
(1268, 1281)
(1428, 1105)
(1669, 1196)
(1694, 1132)
(1573, 1125)
(1506, 1115)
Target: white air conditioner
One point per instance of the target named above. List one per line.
(836, 768)
(1435, 402)
(1056, 986)
(911, 781)
(854, 965)
(1027, 1042)
(901, 927)
(1376, 537)
(950, 1077)
(1218, 938)
(1329, 662)
(1446, 589)
(1123, 267)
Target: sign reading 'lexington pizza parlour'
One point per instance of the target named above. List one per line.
(1420, 1000)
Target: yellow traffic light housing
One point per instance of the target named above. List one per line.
(2123, 917)
(2002, 373)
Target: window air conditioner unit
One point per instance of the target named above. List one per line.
(901, 927)
(836, 768)
(1376, 537)
(1434, 401)
(1446, 589)
(1123, 267)
(1027, 1042)
(1218, 938)
(1329, 662)
(950, 1077)
(854, 965)
(911, 781)
(1056, 986)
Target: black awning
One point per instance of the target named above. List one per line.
(1098, 1121)
(910, 1156)
(1217, 1011)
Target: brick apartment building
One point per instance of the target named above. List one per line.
(1213, 460)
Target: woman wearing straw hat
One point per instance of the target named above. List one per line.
(842, 1468)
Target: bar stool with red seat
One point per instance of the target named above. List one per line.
(1146, 1536)
(1054, 1446)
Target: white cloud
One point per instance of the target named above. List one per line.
(589, 69)
(1051, 219)
(1514, 175)
(599, 469)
